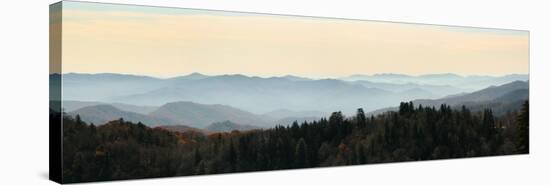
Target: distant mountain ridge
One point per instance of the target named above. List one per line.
(500, 99)
(487, 94)
(174, 113)
(259, 95)
(69, 106)
(437, 90)
(102, 113)
(472, 82)
(202, 115)
(185, 113)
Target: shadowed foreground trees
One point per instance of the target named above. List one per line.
(125, 150)
(522, 144)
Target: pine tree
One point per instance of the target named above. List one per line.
(301, 155)
(488, 124)
(78, 120)
(361, 118)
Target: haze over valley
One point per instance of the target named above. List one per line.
(226, 102)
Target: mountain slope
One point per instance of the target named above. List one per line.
(500, 99)
(266, 94)
(260, 95)
(100, 114)
(103, 86)
(70, 106)
(487, 94)
(473, 82)
(426, 89)
(201, 115)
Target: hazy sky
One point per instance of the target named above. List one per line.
(167, 42)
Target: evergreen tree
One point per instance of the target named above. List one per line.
(78, 120)
(361, 118)
(123, 150)
(301, 155)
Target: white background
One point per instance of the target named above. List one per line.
(24, 91)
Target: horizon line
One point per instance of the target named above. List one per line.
(300, 76)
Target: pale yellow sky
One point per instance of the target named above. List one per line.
(163, 42)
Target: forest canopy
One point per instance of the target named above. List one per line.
(127, 150)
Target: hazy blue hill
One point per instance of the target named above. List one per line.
(191, 114)
(260, 95)
(487, 94)
(135, 108)
(441, 76)
(100, 114)
(227, 126)
(401, 78)
(384, 78)
(295, 78)
(502, 80)
(390, 75)
(201, 115)
(266, 94)
(501, 99)
(519, 94)
(192, 76)
(473, 82)
(103, 86)
(439, 90)
(69, 106)
(415, 93)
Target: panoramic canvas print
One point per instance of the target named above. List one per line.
(144, 92)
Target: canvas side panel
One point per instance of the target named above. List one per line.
(55, 114)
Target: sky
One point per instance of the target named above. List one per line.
(167, 42)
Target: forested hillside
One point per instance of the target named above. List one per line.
(125, 150)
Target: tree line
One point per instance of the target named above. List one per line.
(126, 150)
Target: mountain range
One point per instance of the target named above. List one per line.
(70, 106)
(263, 95)
(102, 113)
(209, 117)
(471, 83)
(218, 118)
(501, 99)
